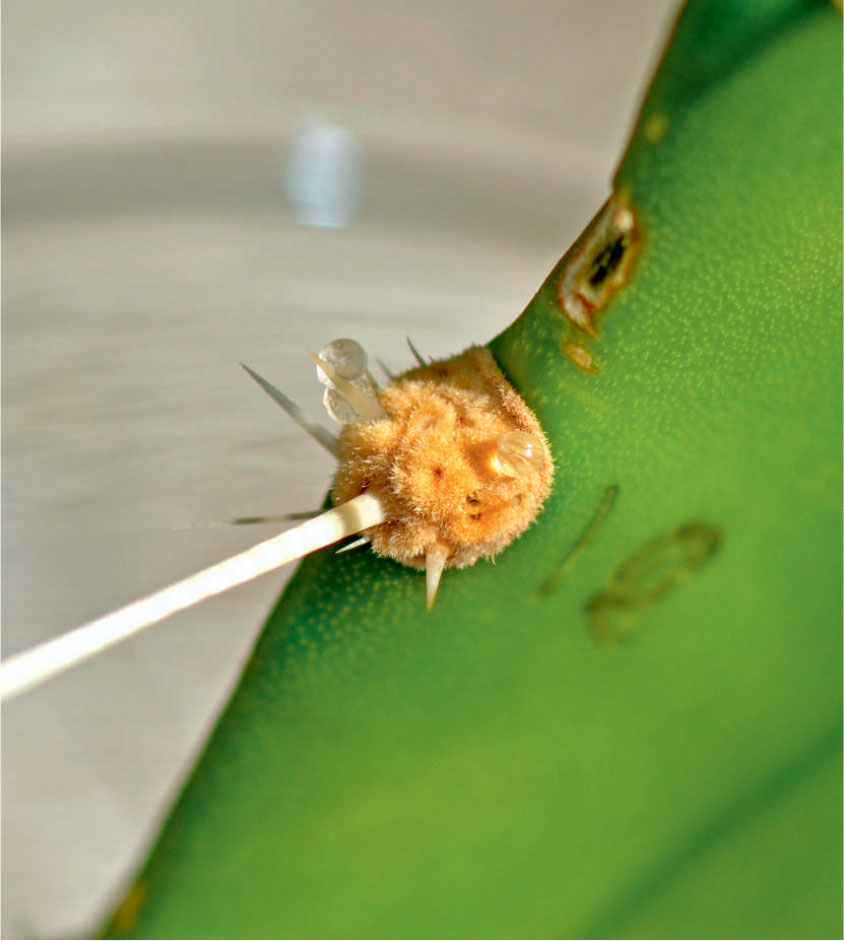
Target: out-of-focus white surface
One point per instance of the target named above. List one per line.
(149, 245)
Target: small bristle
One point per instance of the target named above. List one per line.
(417, 355)
(275, 518)
(317, 432)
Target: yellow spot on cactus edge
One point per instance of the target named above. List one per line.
(655, 127)
(127, 912)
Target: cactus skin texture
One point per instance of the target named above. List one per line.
(623, 729)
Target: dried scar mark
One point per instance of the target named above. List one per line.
(599, 265)
(566, 564)
(581, 357)
(651, 572)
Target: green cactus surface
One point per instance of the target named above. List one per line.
(630, 724)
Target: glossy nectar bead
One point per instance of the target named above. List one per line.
(519, 454)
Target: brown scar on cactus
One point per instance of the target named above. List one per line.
(649, 573)
(583, 541)
(581, 357)
(600, 264)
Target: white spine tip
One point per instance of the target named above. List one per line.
(434, 564)
(354, 544)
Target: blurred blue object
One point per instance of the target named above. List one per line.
(322, 178)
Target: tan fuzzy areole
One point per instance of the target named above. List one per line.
(433, 463)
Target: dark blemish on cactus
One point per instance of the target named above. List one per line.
(648, 574)
(566, 563)
(607, 262)
(599, 265)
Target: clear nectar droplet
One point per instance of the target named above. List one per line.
(348, 358)
(349, 396)
(519, 454)
(338, 407)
